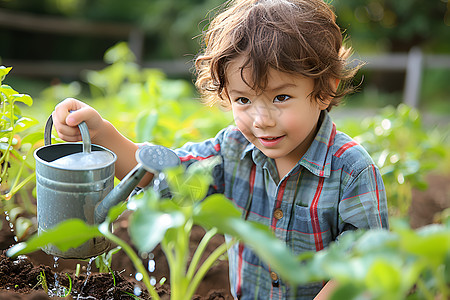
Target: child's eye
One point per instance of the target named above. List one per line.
(281, 98)
(243, 100)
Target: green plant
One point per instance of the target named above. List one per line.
(68, 290)
(380, 264)
(169, 222)
(17, 142)
(12, 145)
(103, 262)
(403, 150)
(42, 280)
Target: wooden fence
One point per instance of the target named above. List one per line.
(413, 63)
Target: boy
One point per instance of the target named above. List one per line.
(280, 66)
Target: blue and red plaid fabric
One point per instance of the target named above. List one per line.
(334, 187)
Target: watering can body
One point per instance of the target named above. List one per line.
(64, 194)
(83, 188)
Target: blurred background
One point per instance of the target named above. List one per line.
(53, 41)
(132, 60)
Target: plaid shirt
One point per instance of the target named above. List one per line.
(333, 188)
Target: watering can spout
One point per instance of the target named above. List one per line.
(151, 158)
(119, 193)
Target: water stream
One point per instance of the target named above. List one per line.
(11, 225)
(57, 290)
(88, 273)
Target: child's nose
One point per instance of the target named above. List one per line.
(263, 117)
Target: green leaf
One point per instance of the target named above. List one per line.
(119, 52)
(3, 72)
(384, 276)
(147, 227)
(432, 242)
(25, 99)
(115, 211)
(215, 204)
(145, 124)
(68, 234)
(375, 240)
(188, 187)
(24, 123)
(7, 91)
(347, 291)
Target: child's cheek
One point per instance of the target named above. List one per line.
(244, 123)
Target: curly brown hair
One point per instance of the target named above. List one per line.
(293, 36)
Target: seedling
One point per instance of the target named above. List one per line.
(68, 290)
(42, 280)
(103, 262)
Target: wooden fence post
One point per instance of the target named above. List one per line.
(414, 69)
(136, 39)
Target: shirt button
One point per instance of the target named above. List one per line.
(274, 276)
(278, 214)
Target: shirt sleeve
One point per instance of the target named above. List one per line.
(364, 204)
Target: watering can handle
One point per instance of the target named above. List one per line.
(83, 129)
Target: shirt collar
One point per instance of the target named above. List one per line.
(316, 158)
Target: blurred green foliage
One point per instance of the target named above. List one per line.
(395, 25)
(152, 107)
(387, 265)
(403, 149)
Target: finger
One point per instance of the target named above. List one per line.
(67, 133)
(63, 109)
(85, 113)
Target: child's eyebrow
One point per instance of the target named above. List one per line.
(269, 89)
(280, 87)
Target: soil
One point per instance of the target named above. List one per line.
(19, 278)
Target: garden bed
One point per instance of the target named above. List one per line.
(19, 278)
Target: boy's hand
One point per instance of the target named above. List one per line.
(71, 112)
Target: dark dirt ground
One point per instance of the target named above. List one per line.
(19, 278)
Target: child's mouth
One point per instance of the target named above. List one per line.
(270, 141)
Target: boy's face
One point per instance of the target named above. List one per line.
(281, 120)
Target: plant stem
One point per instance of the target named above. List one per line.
(199, 252)
(134, 258)
(422, 287)
(77, 270)
(204, 269)
(440, 277)
(19, 186)
(180, 285)
(70, 286)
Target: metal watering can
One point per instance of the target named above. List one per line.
(76, 180)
